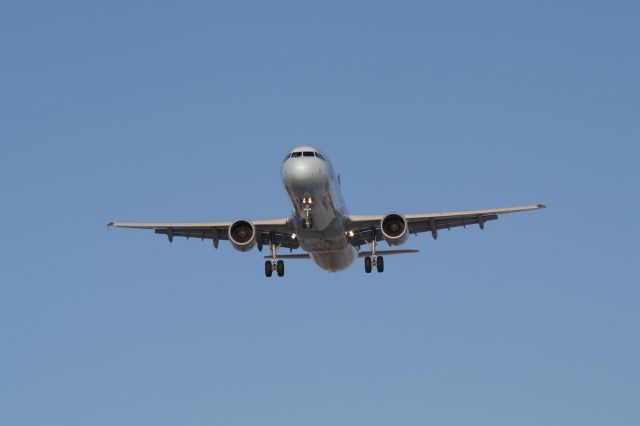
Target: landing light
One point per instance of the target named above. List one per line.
(293, 236)
(351, 233)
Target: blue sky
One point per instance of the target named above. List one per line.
(159, 111)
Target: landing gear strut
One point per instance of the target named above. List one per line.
(274, 264)
(307, 223)
(374, 260)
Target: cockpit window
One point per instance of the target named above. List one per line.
(286, 158)
(304, 154)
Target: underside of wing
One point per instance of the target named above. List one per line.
(364, 228)
(278, 231)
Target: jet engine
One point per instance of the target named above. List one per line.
(395, 229)
(242, 235)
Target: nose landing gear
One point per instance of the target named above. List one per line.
(307, 223)
(373, 260)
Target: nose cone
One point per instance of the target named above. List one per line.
(304, 173)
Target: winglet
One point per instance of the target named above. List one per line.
(110, 225)
(542, 206)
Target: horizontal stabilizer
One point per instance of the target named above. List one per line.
(291, 256)
(387, 252)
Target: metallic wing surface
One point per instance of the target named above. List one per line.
(278, 231)
(363, 227)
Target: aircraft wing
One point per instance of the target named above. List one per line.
(364, 226)
(280, 230)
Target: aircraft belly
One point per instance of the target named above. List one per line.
(331, 238)
(319, 244)
(335, 261)
(329, 248)
(323, 213)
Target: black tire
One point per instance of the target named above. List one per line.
(380, 264)
(268, 268)
(280, 268)
(367, 265)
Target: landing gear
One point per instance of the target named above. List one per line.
(307, 223)
(373, 260)
(367, 265)
(377, 261)
(274, 264)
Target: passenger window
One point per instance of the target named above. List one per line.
(319, 156)
(296, 154)
(307, 153)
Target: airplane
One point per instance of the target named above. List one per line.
(320, 224)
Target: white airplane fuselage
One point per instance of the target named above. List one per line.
(319, 211)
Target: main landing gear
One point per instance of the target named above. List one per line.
(270, 266)
(373, 260)
(274, 264)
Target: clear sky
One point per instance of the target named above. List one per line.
(184, 111)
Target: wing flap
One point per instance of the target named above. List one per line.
(279, 231)
(365, 227)
(418, 226)
(463, 213)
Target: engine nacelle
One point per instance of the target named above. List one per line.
(242, 235)
(395, 229)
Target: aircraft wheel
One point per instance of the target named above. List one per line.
(380, 264)
(367, 265)
(268, 268)
(280, 268)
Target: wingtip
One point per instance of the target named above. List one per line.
(110, 225)
(542, 206)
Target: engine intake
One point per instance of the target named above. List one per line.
(395, 229)
(242, 235)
